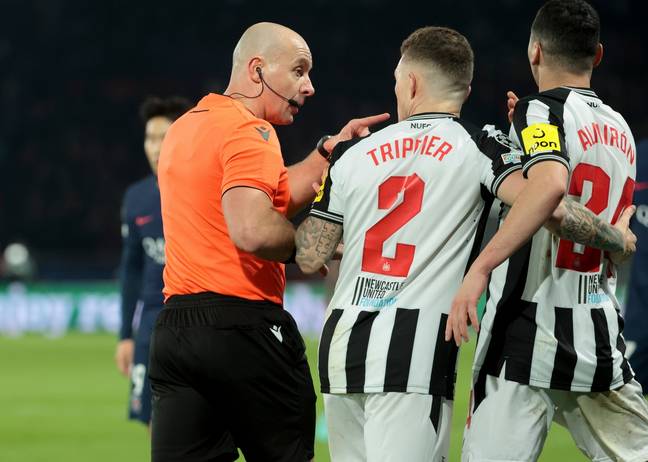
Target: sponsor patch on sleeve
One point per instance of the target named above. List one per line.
(539, 138)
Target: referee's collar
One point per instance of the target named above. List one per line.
(431, 115)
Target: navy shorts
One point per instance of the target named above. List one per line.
(139, 403)
(229, 373)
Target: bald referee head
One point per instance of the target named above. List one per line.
(270, 69)
(435, 70)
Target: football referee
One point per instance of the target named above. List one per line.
(228, 366)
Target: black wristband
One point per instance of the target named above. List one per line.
(321, 149)
(291, 259)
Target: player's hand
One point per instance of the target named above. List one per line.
(630, 240)
(124, 356)
(464, 307)
(511, 101)
(355, 128)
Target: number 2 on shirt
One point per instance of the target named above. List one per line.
(589, 261)
(373, 260)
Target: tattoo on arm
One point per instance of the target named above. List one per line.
(316, 241)
(582, 226)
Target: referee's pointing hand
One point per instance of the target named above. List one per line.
(355, 128)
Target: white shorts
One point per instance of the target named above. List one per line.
(512, 421)
(388, 427)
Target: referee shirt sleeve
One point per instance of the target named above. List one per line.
(500, 157)
(329, 201)
(251, 157)
(538, 125)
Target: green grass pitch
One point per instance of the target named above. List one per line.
(63, 400)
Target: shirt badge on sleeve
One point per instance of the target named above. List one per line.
(511, 158)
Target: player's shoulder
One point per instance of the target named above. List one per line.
(348, 146)
(614, 114)
(487, 137)
(545, 102)
(556, 95)
(471, 129)
(545, 107)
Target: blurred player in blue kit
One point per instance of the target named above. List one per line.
(636, 314)
(142, 259)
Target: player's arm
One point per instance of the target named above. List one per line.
(255, 226)
(534, 206)
(572, 221)
(130, 284)
(316, 241)
(302, 175)
(534, 199)
(535, 202)
(546, 165)
(319, 235)
(575, 222)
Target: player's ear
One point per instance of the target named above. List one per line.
(468, 93)
(413, 82)
(598, 57)
(535, 52)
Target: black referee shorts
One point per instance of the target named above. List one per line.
(226, 373)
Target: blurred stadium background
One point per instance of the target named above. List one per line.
(72, 75)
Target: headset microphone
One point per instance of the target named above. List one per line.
(290, 101)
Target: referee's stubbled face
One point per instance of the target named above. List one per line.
(156, 128)
(288, 75)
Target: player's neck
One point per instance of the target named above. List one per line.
(449, 107)
(554, 79)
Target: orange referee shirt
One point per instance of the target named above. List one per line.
(216, 146)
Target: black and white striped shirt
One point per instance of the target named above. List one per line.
(412, 198)
(552, 316)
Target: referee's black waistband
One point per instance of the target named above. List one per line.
(215, 299)
(212, 309)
